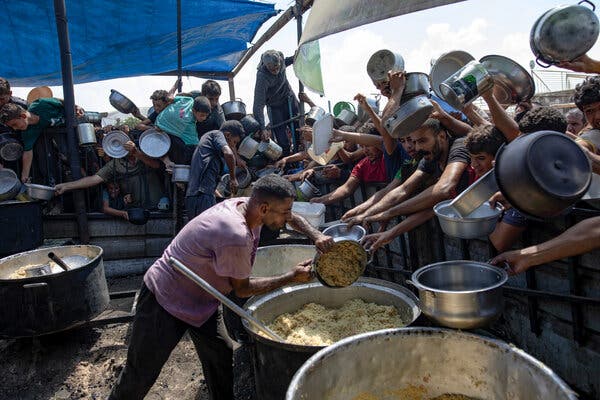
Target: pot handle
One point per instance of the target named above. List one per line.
(589, 2)
(539, 61)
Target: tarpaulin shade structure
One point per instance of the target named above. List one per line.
(117, 39)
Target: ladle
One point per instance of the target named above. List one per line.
(223, 299)
(58, 260)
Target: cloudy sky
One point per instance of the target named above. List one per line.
(480, 27)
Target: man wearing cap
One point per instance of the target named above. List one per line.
(273, 90)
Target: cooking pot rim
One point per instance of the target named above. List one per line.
(417, 274)
(446, 203)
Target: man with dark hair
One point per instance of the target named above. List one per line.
(7, 97)
(587, 99)
(212, 91)
(201, 108)
(207, 167)
(160, 100)
(273, 90)
(219, 245)
(575, 121)
(543, 119)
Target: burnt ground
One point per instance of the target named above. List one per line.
(83, 363)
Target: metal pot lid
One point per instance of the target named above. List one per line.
(155, 144)
(558, 165)
(8, 180)
(566, 32)
(113, 142)
(512, 83)
(446, 65)
(11, 150)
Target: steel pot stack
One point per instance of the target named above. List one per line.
(50, 303)
(424, 363)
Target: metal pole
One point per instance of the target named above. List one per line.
(60, 11)
(179, 56)
(231, 88)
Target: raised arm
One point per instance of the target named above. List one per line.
(507, 125)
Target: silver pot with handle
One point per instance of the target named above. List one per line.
(234, 109)
(564, 33)
(121, 103)
(86, 134)
(417, 83)
(181, 173)
(270, 149)
(314, 114)
(248, 147)
(345, 117)
(460, 294)
(409, 116)
(308, 190)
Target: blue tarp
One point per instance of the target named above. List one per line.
(117, 38)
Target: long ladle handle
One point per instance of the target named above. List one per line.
(223, 299)
(58, 260)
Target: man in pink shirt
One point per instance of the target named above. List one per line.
(219, 245)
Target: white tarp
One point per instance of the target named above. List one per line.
(332, 16)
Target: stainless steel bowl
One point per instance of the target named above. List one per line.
(155, 143)
(460, 294)
(40, 192)
(395, 363)
(341, 232)
(512, 83)
(479, 223)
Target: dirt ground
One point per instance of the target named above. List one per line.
(83, 363)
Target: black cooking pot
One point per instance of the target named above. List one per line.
(138, 216)
(50, 303)
(121, 103)
(250, 124)
(234, 110)
(543, 173)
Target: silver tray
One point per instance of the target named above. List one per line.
(446, 65)
(113, 142)
(512, 83)
(155, 144)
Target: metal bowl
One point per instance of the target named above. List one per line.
(479, 223)
(445, 66)
(341, 232)
(40, 192)
(155, 143)
(460, 294)
(9, 184)
(113, 142)
(512, 83)
(396, 363)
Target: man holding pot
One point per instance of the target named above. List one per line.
(219, 246)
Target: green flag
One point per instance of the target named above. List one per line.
(307, 66)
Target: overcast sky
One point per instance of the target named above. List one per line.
(480, 27)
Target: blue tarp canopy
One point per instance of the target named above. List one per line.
(118, 38)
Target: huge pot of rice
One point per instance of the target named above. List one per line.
(425, 364)
(298, 312)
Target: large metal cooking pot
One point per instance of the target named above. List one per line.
(564, 33)
(381, 62)
(121, 103)
(10, 185)
(275, 363)
(424, 363)
(10, 148)
(86, 134)
(315, 114)
(542, 173)
(409, 116)
(417, 83)
(446, 65)
(466, 85)
(51, 303)
(270, 149)
(26, 229)
(250, 124)
(460, 294)
(234, 109)
(479, 223)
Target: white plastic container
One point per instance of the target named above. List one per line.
(314, 213)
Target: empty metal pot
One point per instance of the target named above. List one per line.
(466, 84)
(424, 363)
(409, 116)
(479, 223)
(121, 103)
(345, 117)
(234, 109)
(363, 116)
(381, 62)
(181, 173)
(86, 134)
(460, 294)
(248, 147)
(417, 83)
(270, 149)
(315, 114)
(341, 232)
(154, 143)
